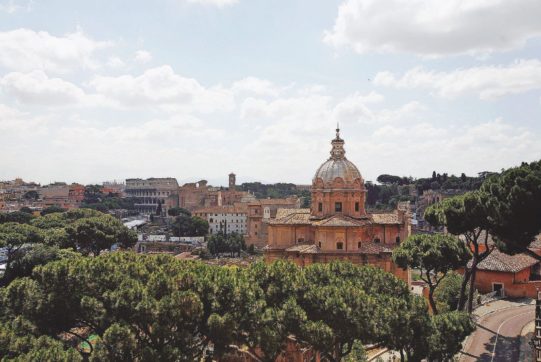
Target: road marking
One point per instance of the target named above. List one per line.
(498, 332)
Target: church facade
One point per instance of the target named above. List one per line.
(337, 225)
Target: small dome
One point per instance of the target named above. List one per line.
(337, 166)
(332, 169)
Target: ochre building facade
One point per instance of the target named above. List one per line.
(337, 226)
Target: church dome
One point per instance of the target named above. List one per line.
(332, 169)
(337, 166)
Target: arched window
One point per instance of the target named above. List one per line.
(359, 245)
(339, 245)
(398, 239)
(357, 207)
(320, 207)
(377, 240)
(320, 244)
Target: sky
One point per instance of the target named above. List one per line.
(100, 90)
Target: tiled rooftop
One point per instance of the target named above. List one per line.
(498, 261)
(386, 218)
(302, 217)
(292, 217)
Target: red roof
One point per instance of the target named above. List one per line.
(500, 262)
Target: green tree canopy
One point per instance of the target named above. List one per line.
(186, 225)
(16, 216)
(514, 207)
(14, 238)
(177, 211)
(26, 209)
(51, 210)
(94, 234)
(447, 293)
(89, 231)
(31, 195)
(154, 307)
(226, 243)
(449, 331)
(468, 217)
(434, 255)
(18, 342)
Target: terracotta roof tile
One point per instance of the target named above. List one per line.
(498, 261)
(280, 213)
(304, 248)
(366, 248)
(302, 216)
(292, 217)
(385, 218)
(339, 220)
(375, 248)
(286, 202)
(289, 202)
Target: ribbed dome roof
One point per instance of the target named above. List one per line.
(337, 165)
(332, 169)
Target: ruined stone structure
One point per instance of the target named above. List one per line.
(193, 196)
(337, 225)
(151, 192)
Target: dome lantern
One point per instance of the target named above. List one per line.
(337, 151)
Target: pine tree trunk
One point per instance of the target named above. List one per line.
(472, 286)
(431, 300)
(462, 296)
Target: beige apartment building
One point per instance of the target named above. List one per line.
(226, 219)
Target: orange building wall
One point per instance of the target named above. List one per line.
(516, 285)
(356, 193)
(288, 235)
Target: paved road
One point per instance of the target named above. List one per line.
(497, 337)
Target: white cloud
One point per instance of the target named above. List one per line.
(115, 62)
(12, 6)
(487, 145)
(9, 113)
(311, 109)
(282, 136)
(37, 88)
(488, 82)
(408, 111)
(26, 50)
(256, 86)
(354, 107)
(317, 111)
(434, 28)
(16, 127)
(218, 3)
(347, 112)
(143, 56)
(161, 86)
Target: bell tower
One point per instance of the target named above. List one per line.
(232, 181)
